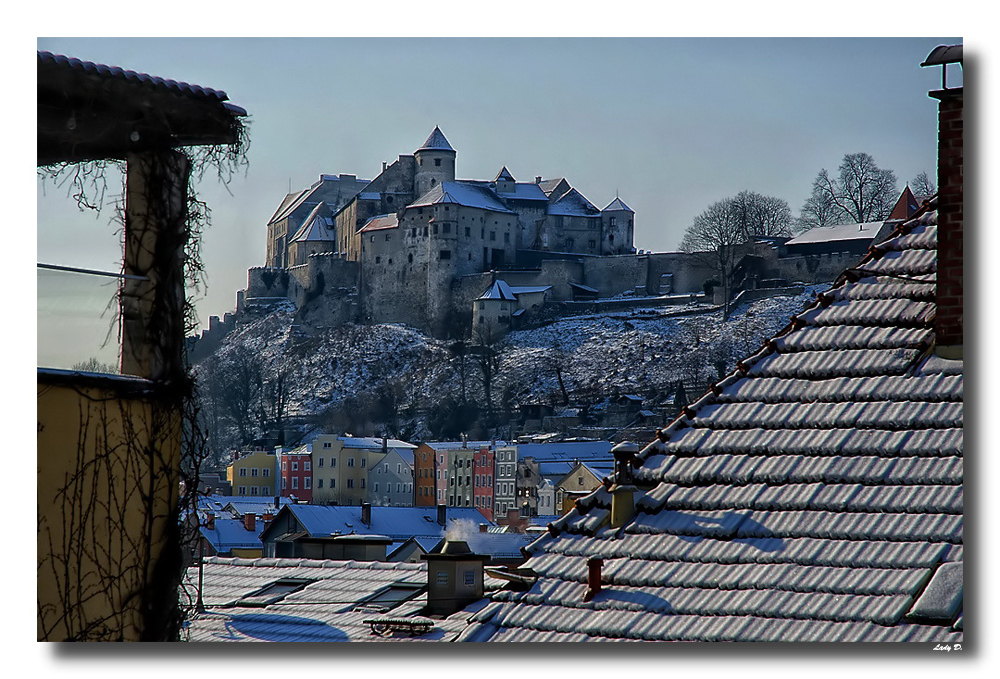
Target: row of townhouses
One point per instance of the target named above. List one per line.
(494, 477)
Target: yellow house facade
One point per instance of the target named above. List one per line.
(254, 473)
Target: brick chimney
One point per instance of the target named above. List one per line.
(442, 514)
(948, 324)
(366, 514)
(594, 566)
(250, 521)
(210, 521)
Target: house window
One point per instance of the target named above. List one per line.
(254, 490)
(242, 490)
(295, 465)
(350, 462)
(362, 483)
(364, 462)
(306, 466)
(255, 472)
(319, 462)
(375, 487)
(327, 444)
(295, 483)
(333, 483)
(319, 483)
(307, 483)
(333, 462)
(265, 472)
(350, 483)
(284, 465)
(265, 490)
(243, 471)
(442, 578)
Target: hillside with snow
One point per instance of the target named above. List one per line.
(391, 379)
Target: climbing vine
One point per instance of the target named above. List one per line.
(126, 523)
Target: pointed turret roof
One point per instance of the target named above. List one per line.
(617, 204)
(905, 206)
(436, 141)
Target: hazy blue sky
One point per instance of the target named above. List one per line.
(670, 125)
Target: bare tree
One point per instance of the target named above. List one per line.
(818, 210)
(726, 224)
(923, 186)
(862, 191)
(488, 350)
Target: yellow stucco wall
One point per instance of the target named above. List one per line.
(108, 478)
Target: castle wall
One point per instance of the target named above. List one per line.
(689, 271)
(816, 268)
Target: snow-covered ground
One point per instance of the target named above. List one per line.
(640, 351)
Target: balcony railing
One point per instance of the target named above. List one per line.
(78, 319)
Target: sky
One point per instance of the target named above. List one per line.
(670, 125)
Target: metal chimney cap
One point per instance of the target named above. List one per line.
(944, 54)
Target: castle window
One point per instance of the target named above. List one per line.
(493, 235)
(506, 238)
(468, 232)
(373, 239)
(378, 260)
(409, 257)
(446, 228)
(388, 237)
(425, 230)
(388, 199)
(612, 221)
(437, 162)
(433, 182)
(592, 244)
(446, 254)
(435, 229)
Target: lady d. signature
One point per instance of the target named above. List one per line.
(948, 647)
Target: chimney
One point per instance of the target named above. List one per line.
(483, 528)
(948, 324)
(442, 514)
(250, 521)
(538, 179)
(454, 577)
(366, 513)
(210, 521)
(385, 445)
(268, 516)
(594, 566)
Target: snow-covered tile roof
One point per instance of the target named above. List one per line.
(573, 204)
(465, 194)
(812, 495)
(840, 232)
(436, 141)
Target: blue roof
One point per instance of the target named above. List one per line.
(581, 450)
(499, 290)
(465, 194)
(573, 204)
(394, 522)
(436, 141)
(617, 204)
(231, 534)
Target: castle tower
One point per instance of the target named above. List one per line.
(504, 183)
(435, 163)
(617, 227)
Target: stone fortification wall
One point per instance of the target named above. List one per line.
(816, 268)
(689, 271)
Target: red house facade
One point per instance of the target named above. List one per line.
(483, 483)
(296, 474)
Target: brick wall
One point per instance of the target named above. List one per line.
(949, 322)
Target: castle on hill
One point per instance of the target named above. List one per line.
(413, 244)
